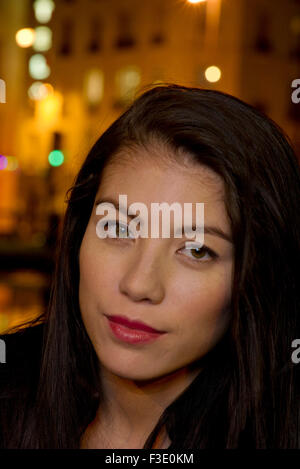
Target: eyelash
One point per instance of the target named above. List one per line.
(209, 251)
(204, 248)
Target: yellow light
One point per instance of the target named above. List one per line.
(213, 74)
(48, 110)
(12, 163)
(94, 86)
(25, 37)
(127, 81)
(196, 1)
(49, 88)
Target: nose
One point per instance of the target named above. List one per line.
(143, 279)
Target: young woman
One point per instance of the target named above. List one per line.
(153, 342)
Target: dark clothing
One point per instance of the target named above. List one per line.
(19, 375)
(21, 347)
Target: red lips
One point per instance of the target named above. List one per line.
(137, 325)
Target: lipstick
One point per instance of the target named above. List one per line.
(132, 332)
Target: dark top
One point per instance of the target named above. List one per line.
(21, 370)
(21, 347)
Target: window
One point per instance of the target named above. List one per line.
(127, 82)
(295, 30)
(263, 42)
(158, 38)
(125, 37)
(94, 87)
(94, 44)
(295, 52)
(67, 35)
(158, 20)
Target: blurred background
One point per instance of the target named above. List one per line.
(69, 68)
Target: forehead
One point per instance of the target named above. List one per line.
(157, 174)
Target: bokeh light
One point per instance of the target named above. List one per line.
(38, 67)
(213, 74)
(43, 39)
(56, 158)
(12, 163)
(48, 110)
(49, 88)
(3, 162)
(94, 86)
(127, 80)
(25, 37)
(8, 163)
(39, 90)
(43, 10)
(196, 1)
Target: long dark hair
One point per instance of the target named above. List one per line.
(247, 394)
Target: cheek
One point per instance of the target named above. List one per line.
(205, 300)
(98, 274)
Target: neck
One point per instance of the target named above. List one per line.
(129, 410)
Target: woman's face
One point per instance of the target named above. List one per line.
(156, 281)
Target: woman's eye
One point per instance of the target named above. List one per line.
(199, 253)
(121, 231)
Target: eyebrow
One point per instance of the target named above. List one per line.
(211, 230)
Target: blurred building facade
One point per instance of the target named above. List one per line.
(102, 53)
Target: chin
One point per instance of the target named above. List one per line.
(136, 372)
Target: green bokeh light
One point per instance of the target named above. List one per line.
(56, 158)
